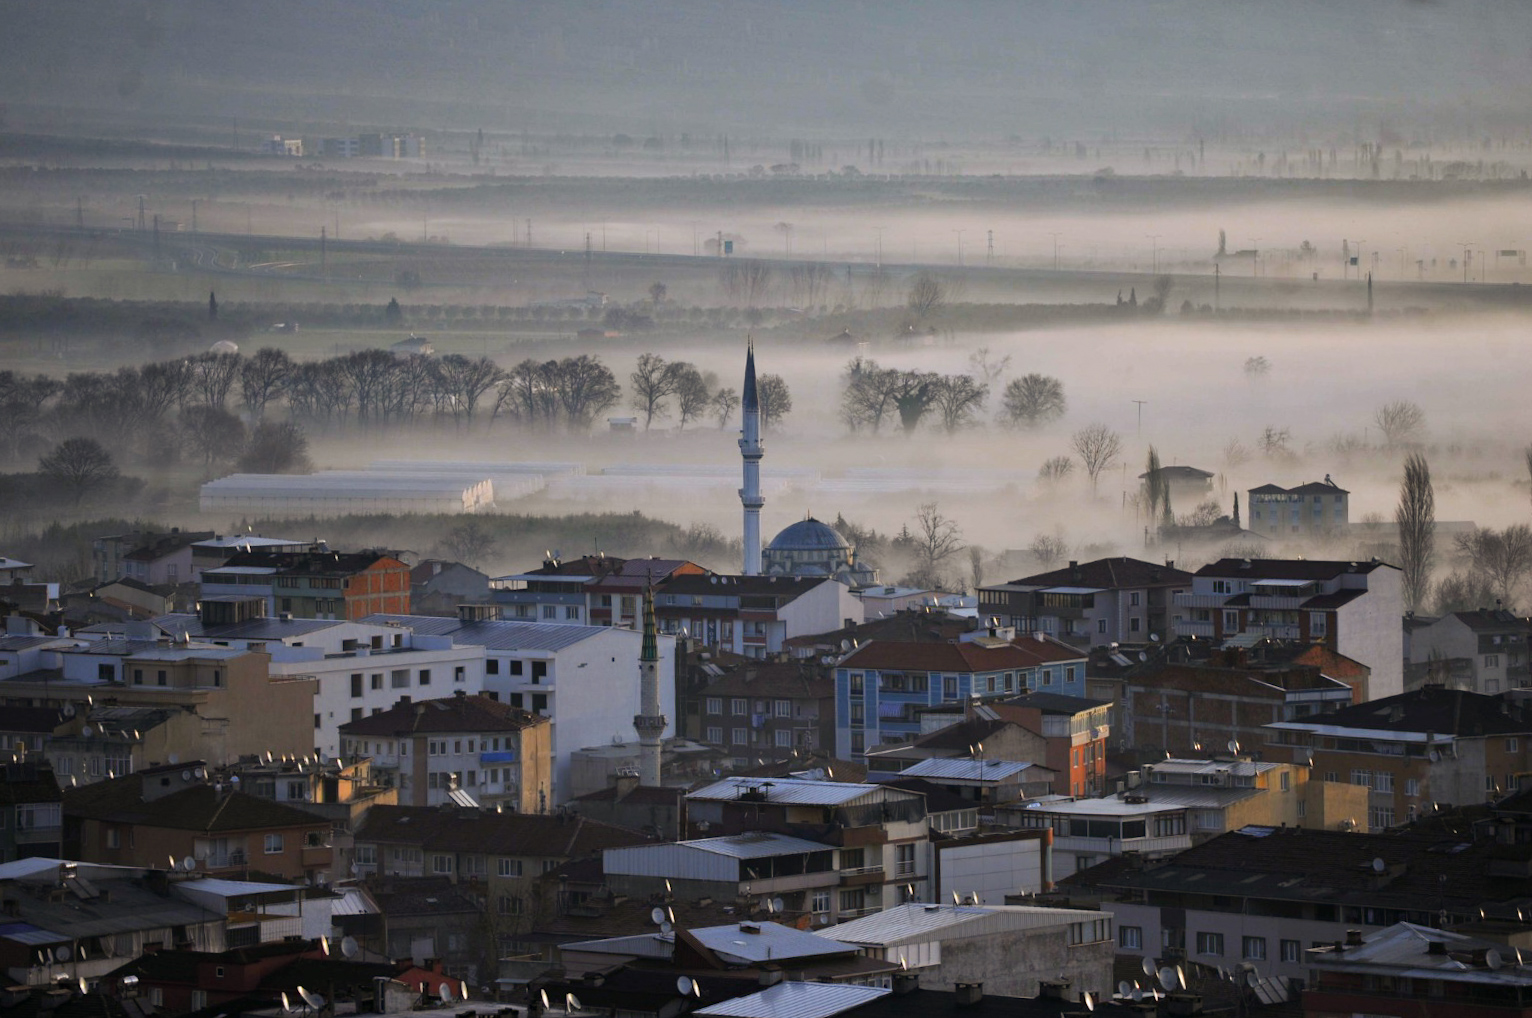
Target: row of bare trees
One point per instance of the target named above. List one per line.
(872, 394)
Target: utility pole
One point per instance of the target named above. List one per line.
(194, 214)
(140, 212)
(321, 250)
(1217, 278)
(1140, 403)
(879, 231)
(1255, 256)
(989, 254)
(960, 245)
(79, 213)
(1055, 235)
(1154, 249)
(1467, 246)
(529, 231)
(156, 235)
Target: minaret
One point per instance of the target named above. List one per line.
(751, 449)
(650, 723)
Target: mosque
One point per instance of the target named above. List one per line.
(806, 548)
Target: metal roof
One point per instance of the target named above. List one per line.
(755, 845)
(915, 920)
(958, 769)
(496, 634)
(26, 933)
(1112, 807)
(768, 942)
(797, 1000)
(237, 888)
(794, 791)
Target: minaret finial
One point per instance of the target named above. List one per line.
(751, 450)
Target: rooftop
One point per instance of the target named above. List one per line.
(1288, 569)
(1110, 574)
(532, 835)
(961, 656)
(755, 845)
(788, 791)
(916, 920)
(196, 807)
(1429, 709)
(493, 634)
(937, 769)
(448, 714)
(796, 1000)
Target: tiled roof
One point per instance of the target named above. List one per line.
(1437, 709)
(1491, 621)
(961, 656)
(449, 714)
(195, 808)
(1288, 569)
(1111, 573)
(773, 679)
(418, 896)
(907, 626)
(31, 720)
(532, 835)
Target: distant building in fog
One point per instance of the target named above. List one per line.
(1308, 510)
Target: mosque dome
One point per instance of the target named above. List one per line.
(809, 535)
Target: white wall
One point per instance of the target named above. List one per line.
(1371, 630)
(593, 692)
(990, 869)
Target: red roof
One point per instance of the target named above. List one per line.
(963, 656)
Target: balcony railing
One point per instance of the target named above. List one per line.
(857, 913)
(861, 875)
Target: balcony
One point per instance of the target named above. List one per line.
(857, 913)
(860, 876)
(1201, 600)
(857, 837)
(317, 856)
(1185, 628)
(39, 835)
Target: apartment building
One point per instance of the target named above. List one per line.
(1091, 604)
(315, 583)
(1315, 509)
(1484, 651)
(1354, 608)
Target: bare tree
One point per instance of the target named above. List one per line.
(959, 399)
(928, 295)
(986, 370)
(469, 541)
(725, 402)
(1416, 518)
(1055, 469)
(1257, 367)
(1274, 442)
(1501, 558)
(276, 447)
(775, 399)
(867, 393)
(976, 565)
(1031, 401)
(1402, 423)
(1048, 549)
(1235, 455)
(937, 539)
(586, 388)
(263, 377)
(466, 380)
(214, 433)
(1098, 447)
(810, 283)
(692, 395)
(78, 465)
(913, 394)
(653, 383)
(745, 282)
(1156, 489)
(214, 375)
(1463, 592)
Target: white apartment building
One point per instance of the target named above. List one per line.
(582, 678)
(1354, 608)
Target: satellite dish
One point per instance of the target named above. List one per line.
(1492, 959)
(1180, 978)
(234, 781)
(670, 915)
(666, 929)
(324, 945)
(186, 775)
(1090, 1004)
(286, 1004)
(544, 995)
(955, 899)
(571, 1002)
(348, 947)
(444, 993)
(1378, 865)
(68, 711)
(86, 730)
(1167, 978)
(188, 864)
(1142, 656)
(683, 986)
(313, 1000)
(84, 989)
(776, 904)
(667, 886)
(174, 758)
(1434, 756)
(1253, 978)
(172, 862)
(1233, 745)
(656, 915)
(1137, 995)
(1148, 966)
(903, 965)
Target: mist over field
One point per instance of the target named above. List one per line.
(1232, 232)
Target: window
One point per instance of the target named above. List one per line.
(949, 687)
(1133, 599)
(1287, 781)
(492, 666)
(356, 713)
(1133, 624)
(1130, 938)
(1047, 676)
(459, 674)
(1411, 786)
(356, 684)
(1361, 777)
(539, 671)
(515, 668)
(138, 676)
(784, 708)
(1319, 624)
(853, 900)
(425, 676)
(1210, 944)
(366, 855)
(820, 905)
(550, 611)
(1510, 745)
(1101, 625)
(508, 904)
(715, 735)
(1292, 950)
(113, 838)
(904, 860)
(784, 738)
(539, 701)
(508, 867)
(1231, 622)
(739, 706)
(740, 737)
(316, 721)
(1492, 660)
(1383, 781)
(198, 999)
(715, 705)
(1381, 817)
(1253, 948)
(1171, 826)
(399, 678)
(441, 863)
(273, 844)
(1209, 820)
(160, 677)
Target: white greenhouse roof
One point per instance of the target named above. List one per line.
(797, 1000)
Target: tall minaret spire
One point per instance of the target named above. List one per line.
(751, 449)
(649, 722)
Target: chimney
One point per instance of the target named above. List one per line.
(968, 994)
(627, 781)
(770, 975)
(1353, 938)
(905, 983)
(1053, 989)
